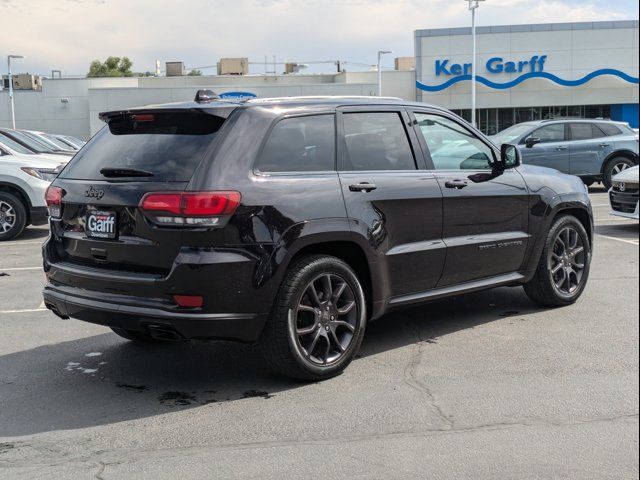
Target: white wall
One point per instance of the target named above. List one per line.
(573, 51)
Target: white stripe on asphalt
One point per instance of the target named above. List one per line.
(19, 269)
(31, 310)
(20, 243)
(624, 240)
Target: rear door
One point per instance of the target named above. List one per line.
(390, 197)
(104, 183)
(589, 148)
(486, 213)
(553, 149)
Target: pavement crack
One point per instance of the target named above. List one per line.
(101, 466)
(412, 379)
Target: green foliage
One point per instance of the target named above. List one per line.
(194, 73)
(111, 67)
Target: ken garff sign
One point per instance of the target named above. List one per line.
(494, 65)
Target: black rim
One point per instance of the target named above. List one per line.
(7, 217)
(326, 319)
(567, 261)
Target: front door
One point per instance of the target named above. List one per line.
(553, 149)
(390, 197)
(485, 219)
(589, 148)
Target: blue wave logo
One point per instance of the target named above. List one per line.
(527, 76)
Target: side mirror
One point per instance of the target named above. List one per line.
(509, 156)
(531, 141)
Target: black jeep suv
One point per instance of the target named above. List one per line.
(293, 222)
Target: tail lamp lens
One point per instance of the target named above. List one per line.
(204, 209)
(53, 197)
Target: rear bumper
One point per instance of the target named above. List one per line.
(141, 314)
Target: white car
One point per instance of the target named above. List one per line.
(24, 179)
(623, 195)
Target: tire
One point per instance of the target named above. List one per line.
(13, 216)
(613, 167)
(136, 336)
(544, 288)
(588, 182)
(309, 338)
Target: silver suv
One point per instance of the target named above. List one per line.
(594, 150)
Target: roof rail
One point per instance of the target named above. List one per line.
(319, 97)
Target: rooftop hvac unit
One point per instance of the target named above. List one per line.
(405, 63)
(233, 66)
(23, 81)
(174, 69)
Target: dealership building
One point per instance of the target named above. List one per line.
(524, 72)
(532, 72)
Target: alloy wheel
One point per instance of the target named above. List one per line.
(567, 261)
(619, 167)
(326, 319)
(7, 217)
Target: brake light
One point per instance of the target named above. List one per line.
(190, 208)
(53, 198)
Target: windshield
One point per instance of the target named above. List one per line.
(511, 134)
(13, 145)
(59, 143)
(169, 146)
(30, 143)
(43, 141)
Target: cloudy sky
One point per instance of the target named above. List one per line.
(67, 34)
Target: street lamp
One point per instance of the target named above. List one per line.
(380, 53)
(473, 4)
(13, 113)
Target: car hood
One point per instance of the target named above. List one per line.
(33, 161)
(628, 175)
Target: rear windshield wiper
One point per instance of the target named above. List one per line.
(125, 172)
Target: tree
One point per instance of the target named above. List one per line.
(195, 73)
(111, 67)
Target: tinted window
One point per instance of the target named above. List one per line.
(452, 146)
(13, 145)
(376, 141)
(550, 133)
(581, 131)
(609, 129)
(300, 144)
(169, 145)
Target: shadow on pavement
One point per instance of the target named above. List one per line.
(34, 233)
(102, 379)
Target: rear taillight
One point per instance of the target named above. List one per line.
(192, 209)
(53, 197)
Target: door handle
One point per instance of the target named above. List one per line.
(363, 187)
(603, 145)
(458, 184)
(561, 148)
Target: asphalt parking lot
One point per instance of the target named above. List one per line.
(483, 386)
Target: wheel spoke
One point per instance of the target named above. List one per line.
(346, 308)
(314, 342)
(342, 323)
(328, 288)
(313, 295)
(336, 342)
(307, 330)
(306, 308)
(556, 268)
(339, 291)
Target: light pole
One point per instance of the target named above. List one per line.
(13, 113)
(473, 4)
(380, 53)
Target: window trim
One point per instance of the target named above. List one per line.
(456, 119)
(405, 120)
(297, 173)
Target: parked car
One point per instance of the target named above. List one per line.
(623, 195)
(52, 142)
(295, 222)
(24, 179)
(594, 150)
(11, 147)
(73, 142)
(32, 143)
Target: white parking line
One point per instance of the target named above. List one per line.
(19, 269)
(8, 244)
(30, 310)
(624, 240)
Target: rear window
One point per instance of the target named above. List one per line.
(609, 129)
(168, 145)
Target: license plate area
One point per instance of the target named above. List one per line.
(101, 224)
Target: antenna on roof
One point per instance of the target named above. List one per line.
(206, 96)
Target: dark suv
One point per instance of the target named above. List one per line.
(293, 222)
